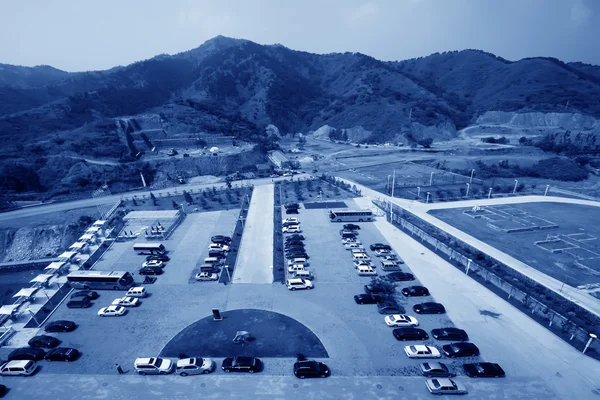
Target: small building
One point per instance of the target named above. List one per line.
(279, 160)
(263, 170)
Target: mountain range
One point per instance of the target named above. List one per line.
(237, 87)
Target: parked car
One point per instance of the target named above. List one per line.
(376, 289)
(151, 271)
(382, 252)
(80, 302)
(137, 291)
(436, 370)
(17, 368)
(353, 245)
(153, 263)
(460, 349)
(218, 246)
(389, 308)
(415, 291)
(295, 247)
(220, 239)
(392, 257)
(291, 220)
(311, 369)
(296, 254)
(294, 242)
(241, 364)
(60, 326)
(43, 341)
(347, 240)
(62, 354)
(400, 320)
(27, 353)
(449, 334)
(299, 283)
(3, 389)
(161, 257)
(368, 299)
(153, 366)
(379, 246)
(207, 276)
(195, 366)
(291, 205)
(429, 308)
(399, 276)
(126, 301)
(410, 333)
(291, 211)
(290, 223)
(366, 271)
(351, 227)
(445, 386)
(484, 370)
(291, 229)
(422, 351)
(112, 311)
(85, 293)
(294, 237)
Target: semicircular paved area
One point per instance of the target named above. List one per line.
(272, 335)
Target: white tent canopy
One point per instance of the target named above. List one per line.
(86, 237)
(67, 255)
(41, 278)
(26, 292)
(77, 245)
(93, 229)
(99, 223)
(56, 265)
(8, 310)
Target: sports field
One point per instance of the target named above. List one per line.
(560, 240)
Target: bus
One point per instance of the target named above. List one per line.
(350, 215)
(149, 248)
(109, 280)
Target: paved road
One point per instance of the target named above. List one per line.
(255, 256)
(421, 210)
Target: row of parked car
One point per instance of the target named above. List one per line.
(218, 250)
(295, 253)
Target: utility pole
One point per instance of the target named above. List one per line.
(471, 180)
(468, 187)
(431, 179)
(427, 201)
(516, 183)
(490, 194)
(547, 187)
(391, 202)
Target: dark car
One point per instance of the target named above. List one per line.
(436, 370)
(85, 293)
(294, 247)
(80, 302)
(220, 239)
(292, 211)
(311, 369)
(429, 308)
(461, 349)
(241, 364)
(289, 223)
(415, 291)
(367, 299)
(291, 205)
(294, 243)
(484, 370)
(399, 277)
(376, 289)
(62, 354)
(352, 227)
(410, 334)
(295, 236)
(160, 257)
(380, 246)
(293, 255)
(2, 390)
(449, 334)
(150, 271)
(27, 353)
(44, 341)
(60, 326)
(390, 308)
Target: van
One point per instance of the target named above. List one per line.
(217, 253)
(138, 291)
(357, 251)
(18, 367)
(295, 267)
(298, 260)
(365, 270)
(210, 268)
(389, 265)
(360, 256)
(80, 302)
(348, 234)
(212, 261)
(302, 273)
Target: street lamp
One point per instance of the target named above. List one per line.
(592, 337)
(418, 191)
(427, 201)
(471, 179)
(516, 183)
(388, 183)
(547, 187)
(33, 316)
(431, 179)
(490, 193)
(468, 266)
(468, 187)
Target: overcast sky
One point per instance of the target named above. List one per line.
(76, 35)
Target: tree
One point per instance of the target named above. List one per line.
(153, 198)
(175, 205)
(426, 143)
(188, 197)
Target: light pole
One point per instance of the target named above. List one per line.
(490, 193)
(418, 191)
(468, 187)
(431, 179)
(547, 187)
(471, 179)
(33, 316)
(388, 184)
(468, 266)
(592, 337)
(516, 183)
(427, 201)
(393, 185)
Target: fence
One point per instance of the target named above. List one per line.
(557, 323)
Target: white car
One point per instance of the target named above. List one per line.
(422, 351)
(299, 283)
(153, 366)
(366, 271)
(353, 245)
(153, 263)
(351, 240)
(126, 301)
(137, 291)
(206, 276)
(399, 320)
(291, 229)
(195, 366)
(295, 267)
(112, 311)
(363, 263)
(382, 252)
(291, 220)
(218, 246)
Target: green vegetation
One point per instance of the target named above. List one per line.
(555, 168)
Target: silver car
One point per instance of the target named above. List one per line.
(445, 386)
(195, 366)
